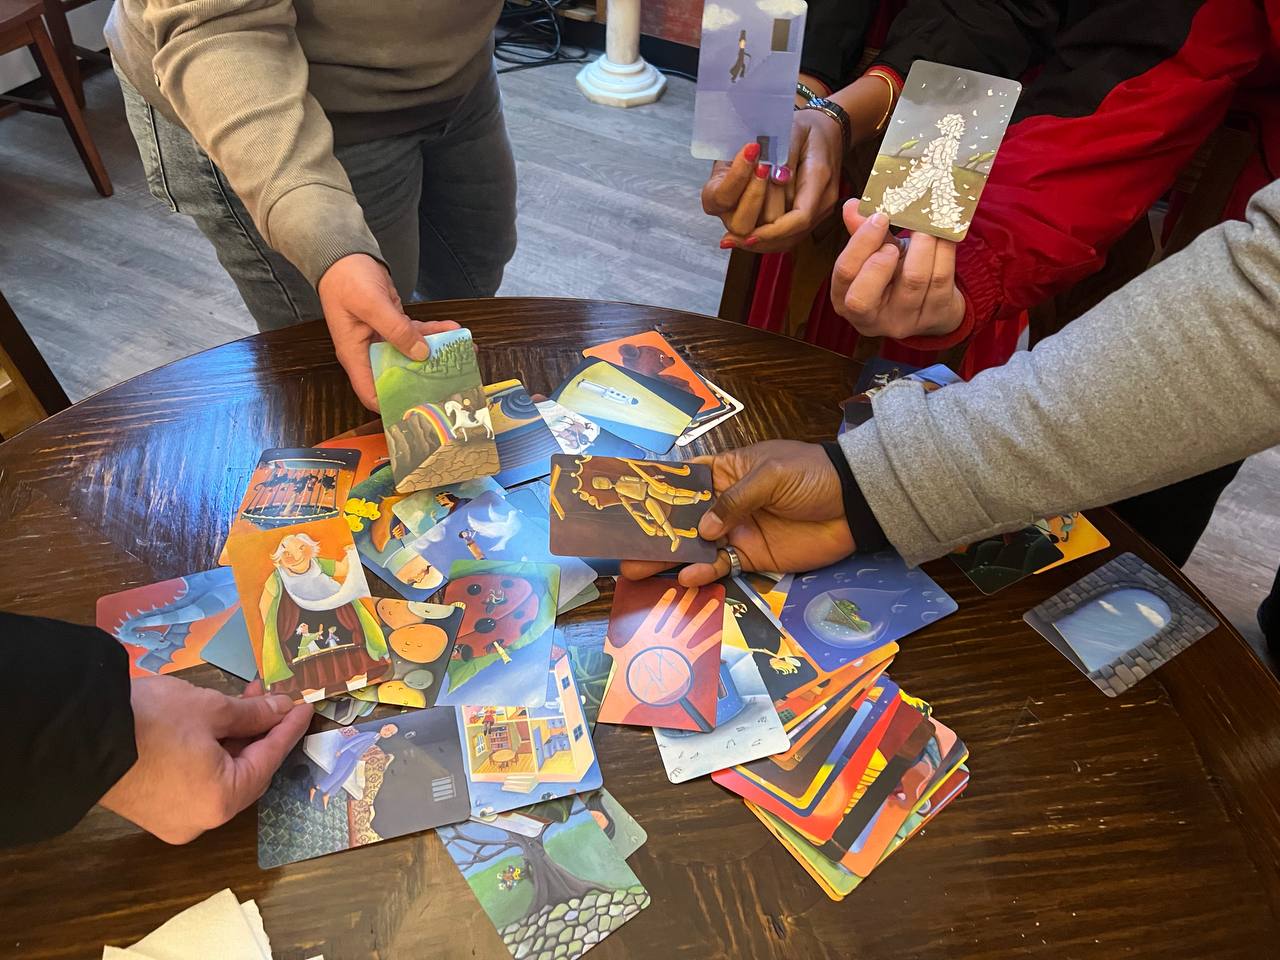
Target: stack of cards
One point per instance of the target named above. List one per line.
(1007, 558)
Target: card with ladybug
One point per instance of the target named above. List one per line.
(503, 647)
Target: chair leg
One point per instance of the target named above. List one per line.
(55, 17)
(47, 60)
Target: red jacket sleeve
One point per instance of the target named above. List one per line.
(1064, 188)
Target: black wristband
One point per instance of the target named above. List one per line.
(868, 535)
(836, 113)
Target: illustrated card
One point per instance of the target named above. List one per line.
(371, 447)
(1121, 622)
(938, 149)
(584, 642)
(626, 835)
(357, 785)
(639, 409)
(747, 725)
(878, 373)
(525, 442)
(519, 754)
(1074, 535)
(575, 433)
(748, 63)
(307, 607)
(291, 486)
(436, 418)
(1003, 560)
(492, 528)
(650, 355)
(550, 860)
(848, 609)
(629, 509)
(345, 708)
(704, 424)
(665, 643)
(420, 637)
(423, 509)
(180, 623)
(383, 539)
(503, 647)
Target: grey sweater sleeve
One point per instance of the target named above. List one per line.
(1175, 374)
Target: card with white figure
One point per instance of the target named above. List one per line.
(748, 63)
(938, 149)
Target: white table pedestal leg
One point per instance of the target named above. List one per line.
(620, 78)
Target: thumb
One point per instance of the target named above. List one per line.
(753, 492)
(239, 717)
(255, 765)
(384, 315)
(852, 218)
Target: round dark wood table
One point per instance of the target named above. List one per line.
(1147, 825)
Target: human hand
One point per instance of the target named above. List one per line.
(816, 157)
(884, 293)
(361, 306)
(735, 192)
(779, 504)
(202, 756)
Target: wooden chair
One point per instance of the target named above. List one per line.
(21, 26)
(29, 391)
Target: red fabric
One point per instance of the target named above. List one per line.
(1064, 189)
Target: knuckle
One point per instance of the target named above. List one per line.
(940, 282)
(913, 283)
(844, 274)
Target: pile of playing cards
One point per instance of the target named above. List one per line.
(491, 512)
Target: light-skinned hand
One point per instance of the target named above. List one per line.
(202, 756)
(885, 293)
(778, 503)
(361, 306)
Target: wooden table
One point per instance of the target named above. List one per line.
(1143, 826)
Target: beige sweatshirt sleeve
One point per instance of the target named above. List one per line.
(1171, 376)
(235, 75)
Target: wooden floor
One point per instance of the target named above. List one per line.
(608, 210)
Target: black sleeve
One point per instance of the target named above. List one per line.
(868, 535)
(835, 32)
(1001, 37)
(70, 724)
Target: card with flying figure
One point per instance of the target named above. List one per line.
(308, 610)
(629, 509)
(639, 409)
(1121, 622)
(938, 149)
(434, 411)
(357, 785)
(748, 64)
(665, 643)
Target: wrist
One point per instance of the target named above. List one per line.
(868, 536)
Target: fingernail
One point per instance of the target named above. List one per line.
(782, 174)
(879, 220)
(420, 351)
(762, 171)
(280, 703)
(750, 241)
(751, 151)
(710, 525)
(728, 244)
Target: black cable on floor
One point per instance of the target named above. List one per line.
(529, 36)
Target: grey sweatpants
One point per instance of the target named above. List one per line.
(439, 201)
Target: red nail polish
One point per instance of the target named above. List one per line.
(750, 241)
(751, 151)
(727, 244)
(782, 174)
(762, 171)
